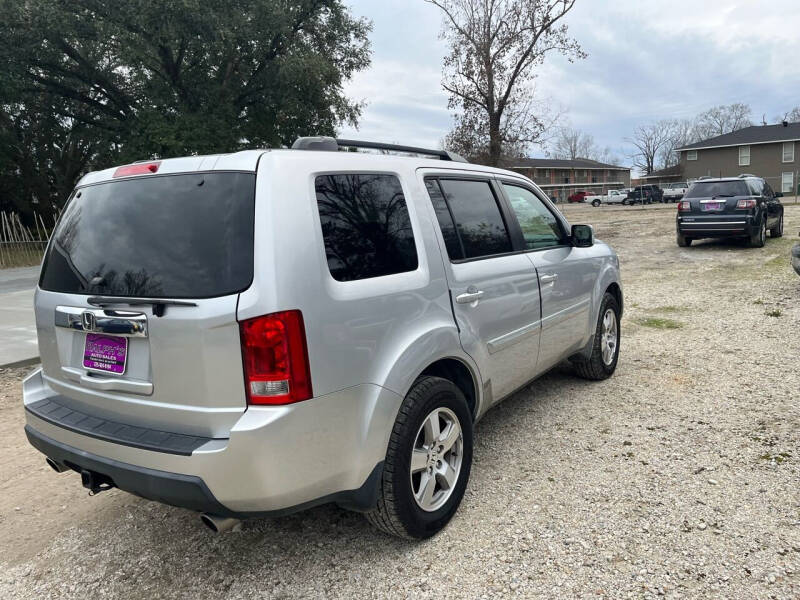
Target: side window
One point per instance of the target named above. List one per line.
(540, 228)
(365, 225)
(445, 218)
(757, 187)
(768, 190)
(479, 224)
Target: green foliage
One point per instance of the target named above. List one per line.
(89, 83)
(659, 323)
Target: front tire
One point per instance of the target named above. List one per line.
(605, 350)
(427, 463)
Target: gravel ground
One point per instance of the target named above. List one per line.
(677, 477)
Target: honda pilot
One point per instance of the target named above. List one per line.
(252, 334)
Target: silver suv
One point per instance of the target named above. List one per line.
(256, 333)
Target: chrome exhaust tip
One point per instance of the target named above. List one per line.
(56, 466)
(220, 524)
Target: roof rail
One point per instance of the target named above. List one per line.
(333, 145)
(743, 175)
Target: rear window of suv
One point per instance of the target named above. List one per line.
(715, 189)
(168, 236)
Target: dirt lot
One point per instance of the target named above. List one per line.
(678, 477)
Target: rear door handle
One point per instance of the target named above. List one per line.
(472, 295)
(549, 278)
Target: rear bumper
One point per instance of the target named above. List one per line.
(717, 226)
(277, 459)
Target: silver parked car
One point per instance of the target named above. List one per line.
(256, 333)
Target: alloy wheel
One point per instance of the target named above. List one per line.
(608, 336)
(436, 459)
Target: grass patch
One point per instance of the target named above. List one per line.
(659, 323)
(758, 302)
(774, 312)
(672, 309)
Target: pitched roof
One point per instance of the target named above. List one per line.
(673, 171)
(756, 134)
(560, 163)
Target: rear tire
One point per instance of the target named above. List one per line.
(399, 511)
(683, 241)
(777, 231)
(595, 203)
(758, 239)
(625, 202)
(603, 361)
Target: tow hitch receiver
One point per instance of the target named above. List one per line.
(95, 482)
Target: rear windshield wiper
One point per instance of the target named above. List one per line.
(723, 196)
(159, 304)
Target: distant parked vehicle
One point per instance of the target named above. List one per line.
(675, 191)
(645, 194)
(796, 258)
(577, 197)
(611, 197)
(743, 206)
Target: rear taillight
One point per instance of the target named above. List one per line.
(684, 205)
(137, 169)
(746, 203)
(275, 358)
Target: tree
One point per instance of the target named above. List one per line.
(793, 116)
(569, 143)
(132, 80)
(722, 119)
(650, 140)
(495, 47)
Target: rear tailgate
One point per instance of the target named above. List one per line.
(713, 206)
(136, 311)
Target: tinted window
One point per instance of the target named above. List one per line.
(540, 227)
(712, 189)
(478, 220)
(175, 236)
(365, 225)
(756, 186)
(449, 233)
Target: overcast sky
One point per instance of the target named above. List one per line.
(647, 60)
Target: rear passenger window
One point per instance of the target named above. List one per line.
(479, 225)
(365, 225)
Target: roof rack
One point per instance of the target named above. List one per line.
(334, 145)
(743, 175)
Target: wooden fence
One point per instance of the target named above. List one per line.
(20, 245)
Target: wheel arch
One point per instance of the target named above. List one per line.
(436, 352)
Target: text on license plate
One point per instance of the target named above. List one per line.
(105, 353)
(712, 206)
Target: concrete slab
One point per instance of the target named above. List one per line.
(17, 323)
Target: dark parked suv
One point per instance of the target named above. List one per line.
(743, 206)
(645, 194)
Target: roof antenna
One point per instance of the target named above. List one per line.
(764, 119)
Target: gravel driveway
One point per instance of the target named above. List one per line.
(677, 477)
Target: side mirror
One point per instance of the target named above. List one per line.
(779, 194)
(582, 236)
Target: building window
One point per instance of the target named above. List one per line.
(787, 182)
(594, 178)
(547, 173)
(788, 152)
(744, 156)
(691, 155)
